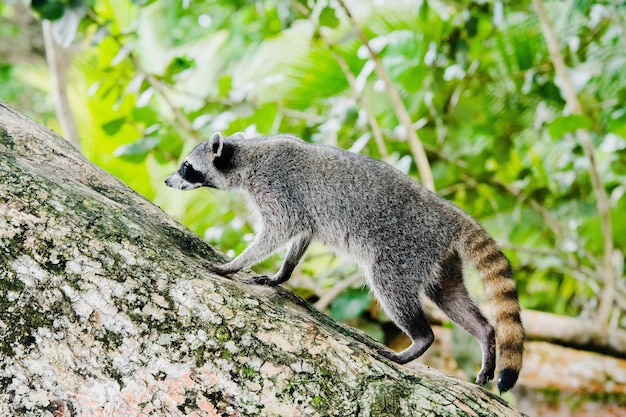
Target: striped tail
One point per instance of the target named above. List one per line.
(481, 250)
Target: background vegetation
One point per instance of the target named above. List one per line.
(460, 94)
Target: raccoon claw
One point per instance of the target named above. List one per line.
(484, 376)
(265, 280)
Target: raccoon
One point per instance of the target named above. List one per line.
(408, 241)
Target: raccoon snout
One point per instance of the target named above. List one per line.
(177, 181)
(174, 181)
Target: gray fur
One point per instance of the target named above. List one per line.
(407, 240)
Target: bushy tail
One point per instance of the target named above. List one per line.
(480, 249)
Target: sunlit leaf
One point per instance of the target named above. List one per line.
(328, 18)
(225, 84)
(177, 66)
(122, 54)
(145, 97)
(138, 150)
(143, 2)
(567, 124)
(113, 126)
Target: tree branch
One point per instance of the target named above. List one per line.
(376, 130)
(329, 296)
(182, 120)
(371, 118)
(185, 126)
(574, 332)
(419, 154)
(59, 61)
(604, 208)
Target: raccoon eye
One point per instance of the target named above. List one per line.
(189, 173)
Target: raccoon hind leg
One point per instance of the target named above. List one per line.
(451, 296)
(405, 310)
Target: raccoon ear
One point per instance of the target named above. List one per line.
(222, 152)
(237, 136)
(216, 144)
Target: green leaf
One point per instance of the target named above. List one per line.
(113, 126)
(328, 18)
(617, 123)
(225, 84)
(51, 10)
(137, 150)
(566, 124)
(142, 3)
(176, 66)
(350, 304)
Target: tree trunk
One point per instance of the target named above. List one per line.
(106, 310)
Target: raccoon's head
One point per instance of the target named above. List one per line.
(205, 165)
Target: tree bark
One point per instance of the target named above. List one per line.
(576, 333)
(106, 310)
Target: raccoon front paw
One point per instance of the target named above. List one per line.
(265, 280)
(217, 269)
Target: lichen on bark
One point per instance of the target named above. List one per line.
(106, 309)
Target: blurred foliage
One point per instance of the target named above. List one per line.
(152, 79)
